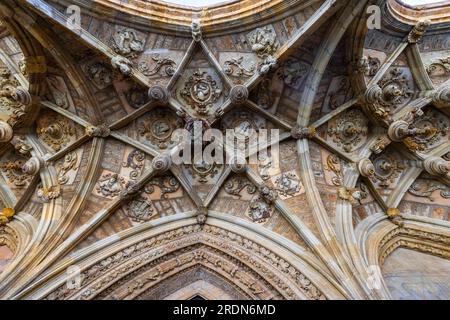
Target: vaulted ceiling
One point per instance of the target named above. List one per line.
(94, 207)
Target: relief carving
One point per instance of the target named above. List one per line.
(55, 130)
(127, 43)
(166, 64)
(158, 127)
(349, 129)
(201, 91)
(111, 185)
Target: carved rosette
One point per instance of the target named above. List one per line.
(349, 130)
(238, 94)
(162, 163)
(55, 130)
(387, 170)
(159, 93)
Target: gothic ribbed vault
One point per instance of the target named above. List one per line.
(93, 207)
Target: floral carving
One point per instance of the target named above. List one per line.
(349, 129)
(236, 184)
(235, 67)
(425, 188)
(431, 127)
(55, 131)
(135, 161)
(168, 65)
(201, 92)
(14, 174)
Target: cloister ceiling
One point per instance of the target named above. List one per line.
(87, 180)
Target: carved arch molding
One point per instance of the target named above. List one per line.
(93, 207)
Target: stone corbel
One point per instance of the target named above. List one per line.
(196, 30)
(418, 31)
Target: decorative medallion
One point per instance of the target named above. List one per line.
(158, 127)
(201, 92)
(432, 127)
(349, 129)
(140, 209)
(387, 170)
(55, 130)
(203, 171)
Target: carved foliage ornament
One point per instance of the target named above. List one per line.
(135, 161)
(387, 169)
(235, 67)
(201, 91)
(425, 188)
(349, 129)
(55, 131)
(237, 183)
(14, 174)
(166, 64)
